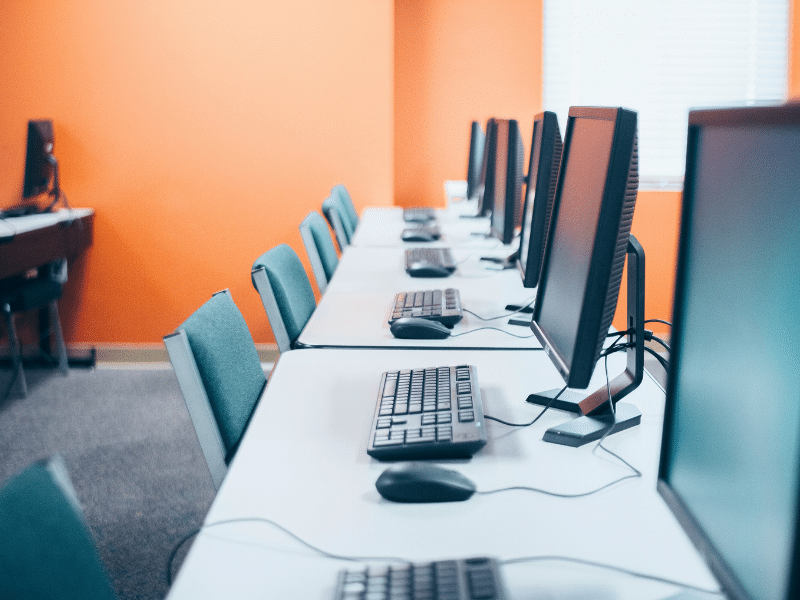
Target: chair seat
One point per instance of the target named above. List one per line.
(26, 294)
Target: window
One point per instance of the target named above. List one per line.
(661, 59)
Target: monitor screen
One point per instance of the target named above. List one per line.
(545, 159)
(477, 142)
(39, 159)
(592, 214)
(730, 464)
(508, 179)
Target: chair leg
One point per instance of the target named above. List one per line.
(61, 348)
(16, 355)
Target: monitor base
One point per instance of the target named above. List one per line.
(586, 429)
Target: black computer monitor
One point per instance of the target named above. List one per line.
(540, 193)
(486, 181)
(586, 250)
(40, 164)
(477, 143)
(508, 178)
(730, 459)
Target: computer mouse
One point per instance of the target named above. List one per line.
(426, 269)
(413, 235)
(422, 482)
(417, 328)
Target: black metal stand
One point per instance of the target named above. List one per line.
(599, 413)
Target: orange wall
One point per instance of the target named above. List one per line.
(458, 61)
(201, 132)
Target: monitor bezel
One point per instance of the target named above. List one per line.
(477, 146)
(547, 170)
(486, 182)
(507, 213)
(787, 114)
(608, 251)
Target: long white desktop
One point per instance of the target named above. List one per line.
(303, 464)
(382, 227)
(354, 310)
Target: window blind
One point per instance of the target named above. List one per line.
(661, 59)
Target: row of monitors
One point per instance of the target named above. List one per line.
(580, 195)
(730, 462)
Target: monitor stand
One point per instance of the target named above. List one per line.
(598, 413)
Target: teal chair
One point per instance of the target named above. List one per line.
(47, 551)
(220, 376)
(336, 213)
(320, 249)
(347, 203)
(281, 281)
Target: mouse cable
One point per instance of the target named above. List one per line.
(508, 314)
(294, 536)
(539, 416)
(599, 565)
(522, 337)
(508, 561)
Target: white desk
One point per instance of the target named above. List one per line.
(354, 310)
(303, 464)
(382, 227)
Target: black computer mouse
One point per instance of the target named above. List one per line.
(417, 328)
(426, 269)
(413, 235)
(422, 482)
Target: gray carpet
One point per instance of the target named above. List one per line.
(132, 455)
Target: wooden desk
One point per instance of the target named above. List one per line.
(35, 240)
(303, 464)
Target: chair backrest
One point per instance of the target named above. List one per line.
(340, 223)
(47, 551)
(285, 292)
(220, 376)
(319, 246)
(347, 203)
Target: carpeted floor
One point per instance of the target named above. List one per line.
(132, 455)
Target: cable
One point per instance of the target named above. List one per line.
(283, 529)
(522, 337)
(509, 561)
(557, 494)
(664, 362)
(658, 321)
(662, 342)
(591, 563)
(519, 310)
(539, 416)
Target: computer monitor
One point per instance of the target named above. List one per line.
(730, 459)
(477, 143)
(508, 178)
(40, 164)
(540, 193)
(586, 249)
(486, 181)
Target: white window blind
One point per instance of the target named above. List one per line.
(661, 59)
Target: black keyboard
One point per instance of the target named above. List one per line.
(439, 305)
(418, 215)
(464, 579)
(418, 259)
(421, 233)
(428, 413)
